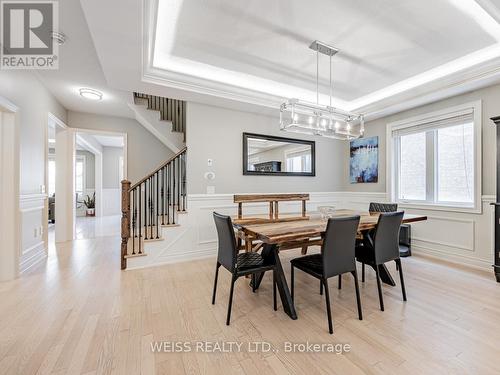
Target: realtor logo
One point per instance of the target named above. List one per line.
(26, 34)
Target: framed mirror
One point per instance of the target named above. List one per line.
(278, 156)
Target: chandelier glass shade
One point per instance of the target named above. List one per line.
(322, 120)
(309, 118)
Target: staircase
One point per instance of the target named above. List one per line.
(165, 118)
(152, 205)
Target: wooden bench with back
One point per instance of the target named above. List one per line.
(248, 243)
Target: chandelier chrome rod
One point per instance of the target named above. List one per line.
(331, 88)
(320, 119)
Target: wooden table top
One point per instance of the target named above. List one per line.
(280, 232)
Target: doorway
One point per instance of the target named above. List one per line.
(9, 191)
(100, 166)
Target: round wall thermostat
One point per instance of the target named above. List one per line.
(210, 176)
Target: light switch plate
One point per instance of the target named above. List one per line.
(210, 162)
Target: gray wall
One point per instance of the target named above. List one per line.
(35, 102)
(490, 97)
(145, 151)
(111, 167)
(216, 133)
(89, 168)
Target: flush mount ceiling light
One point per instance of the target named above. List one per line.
(316, 119)
(90, 94)
(59, 37)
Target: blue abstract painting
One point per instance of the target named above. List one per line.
(364, 160)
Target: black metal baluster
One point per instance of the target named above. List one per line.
(146, 207)
(140, 214)
(134, 212)
(178, 183)
(157, 204)
(145, 184)
(168, 194)
(162, 193)
(173, 192)
(184, 182)
(181, 167)
(150, 217)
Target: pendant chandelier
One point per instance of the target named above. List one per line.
(316, 119)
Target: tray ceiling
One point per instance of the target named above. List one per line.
(263, 45)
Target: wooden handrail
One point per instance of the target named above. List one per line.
(157, 169)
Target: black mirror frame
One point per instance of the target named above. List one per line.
(246, 172)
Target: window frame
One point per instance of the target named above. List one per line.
(83, 159)
(393, 152)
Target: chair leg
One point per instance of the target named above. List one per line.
(358, 298)
(254, 280)
(328, 309)
(362, 272)
(292, 282)
(397, 266)
(304, 250)
(275, 302)
(379, 286)
(320, 287)
(340, 281)
(215, 282)
(403, 289)
(233, 280)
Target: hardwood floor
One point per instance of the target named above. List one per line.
(79, 314)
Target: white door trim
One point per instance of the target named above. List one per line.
(9, 191)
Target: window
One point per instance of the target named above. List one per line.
(436, 158)
(298, 160)
(412, 167)
(80, 175)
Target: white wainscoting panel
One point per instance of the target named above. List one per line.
(464, 238)
(33, 247)
(196, 236)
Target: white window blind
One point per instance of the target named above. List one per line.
(451, 119)
(434, 159)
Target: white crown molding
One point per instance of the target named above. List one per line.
(374, 105)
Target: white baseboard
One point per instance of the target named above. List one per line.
(453, 258)
(32, 256)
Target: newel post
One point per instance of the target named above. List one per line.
(125, 221)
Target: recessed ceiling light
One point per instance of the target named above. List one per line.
(91, 94)
(59, 37)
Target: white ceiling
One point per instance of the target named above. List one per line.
(251, 55)
(109, 141)
(256, 145)
(96, 141)
(79, 67)
(381, 42)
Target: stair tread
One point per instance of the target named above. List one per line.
(135, 255)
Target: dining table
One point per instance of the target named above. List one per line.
(282, 235)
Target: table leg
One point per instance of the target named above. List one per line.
(385, 275)
(271, 252)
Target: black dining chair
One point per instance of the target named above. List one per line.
(337, 257)
(404, 231)
(243, 264)
(383, 247)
